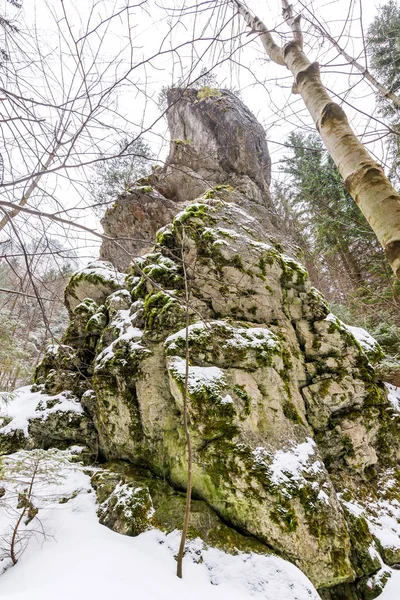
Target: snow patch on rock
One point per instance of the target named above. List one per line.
(199, 378)
(394, 396)
(25, 405)
(288, 466)
(105, 270)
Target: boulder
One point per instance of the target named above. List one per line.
(97, 281)
(215, 140)
(293, 433)
(283, 400)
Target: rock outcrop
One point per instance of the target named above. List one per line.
(134, 221)
(216, 144)
(293, 434)
(215, 140)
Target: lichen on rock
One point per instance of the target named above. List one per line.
(288, 419)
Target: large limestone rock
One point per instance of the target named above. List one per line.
(285, 408)
(215, 139)
(133, 500)
(132, 224)
(292, 432)
(216, 146)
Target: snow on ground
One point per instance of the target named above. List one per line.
(82, 559)
(391, 590)
(383, 519)
(25, 405)
(382, 516)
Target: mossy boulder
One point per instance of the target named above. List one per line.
(61, 429)
(34, 419)
(132, 500)
(124, 506)
(97, 281)
(285, 408)
(215, 141)
(12, 441)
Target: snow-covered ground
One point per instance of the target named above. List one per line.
(79, 558)
(392, 588)
(82, 559)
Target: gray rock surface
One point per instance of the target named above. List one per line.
(133, 222)
(292, 431)
(285, 407)
(215, 139)
(216, 145)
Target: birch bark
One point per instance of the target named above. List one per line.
(363, 177)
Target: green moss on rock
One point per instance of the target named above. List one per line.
(96, 282)
(227, 344)
(215, 191)
(12, 441)
(162, 312)
(291, 412)
(159, 505)
(284, 515)
(207, 92)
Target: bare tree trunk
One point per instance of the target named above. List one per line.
(351, 266)
(27, 504)
(15, 377)
(3, 376)
(186, 426)
(363, 177)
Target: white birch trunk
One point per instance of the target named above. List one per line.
(363, 177)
